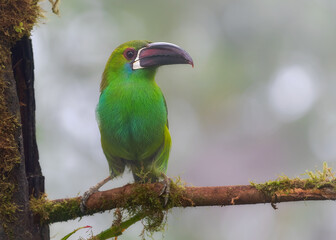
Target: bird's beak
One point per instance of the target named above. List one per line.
(161, 53)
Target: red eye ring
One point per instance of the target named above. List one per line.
(129, 53)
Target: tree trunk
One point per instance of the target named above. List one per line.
(18, 149)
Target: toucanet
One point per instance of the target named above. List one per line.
(132, 111)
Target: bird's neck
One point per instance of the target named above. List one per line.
(126, 76)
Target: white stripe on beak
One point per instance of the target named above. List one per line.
(136, 63)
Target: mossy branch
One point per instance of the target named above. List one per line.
(319, 185)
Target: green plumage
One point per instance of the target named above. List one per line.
(132, 116)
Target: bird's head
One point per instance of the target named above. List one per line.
(142, 57)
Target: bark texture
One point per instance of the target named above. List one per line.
(17, 139)
(23, 69)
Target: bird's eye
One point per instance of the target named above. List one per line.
(129, 53)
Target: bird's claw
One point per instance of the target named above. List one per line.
(86, 197)
(91, 191)
(166, 189)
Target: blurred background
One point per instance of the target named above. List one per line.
(259, 103)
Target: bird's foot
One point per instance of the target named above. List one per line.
(166, 189)
(91, 191)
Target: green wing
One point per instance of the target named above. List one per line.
(165, 103)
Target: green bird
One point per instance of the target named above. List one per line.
(132, 111)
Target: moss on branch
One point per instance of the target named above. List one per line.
(311, 180)
(144, 200)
